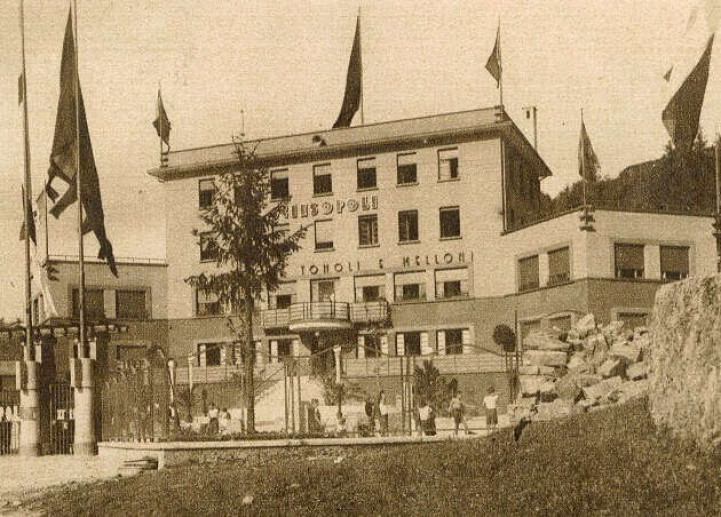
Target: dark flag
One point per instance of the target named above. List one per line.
(63, 157)
(667, 75)
(683, 111)
(353, 83)
(588, 164)
(161, 122)
(29, 217)
(493, 65)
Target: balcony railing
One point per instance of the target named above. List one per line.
(362, 313)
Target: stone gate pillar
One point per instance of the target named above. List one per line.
(82, 372)
(27, 383)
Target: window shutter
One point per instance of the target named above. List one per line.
(361, 347)
(223, 355)
(273, 351)
(422, 290)
(439, 289)
(400, 345)
(258, 349)
(464, 286)
(466, 340)
(358, 294)
(399, 292)
(425, 349)
(296, 348)
(201, 355)
(384, 345)
(441, 337)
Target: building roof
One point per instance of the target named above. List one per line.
(422, 131)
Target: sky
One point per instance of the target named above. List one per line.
(283, 64)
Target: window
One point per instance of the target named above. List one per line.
(410, 286)
(407, 173)
(322, 290)
(285, 348)
(674, 263)
(454, 341)
(629, 260)
(206, 189)
(208, 248)
(367, 173)
(279, 184)
(207, 303)
(451, 282)
(370, 288)
(408, 226)
(368, 230)
(323, 235)
(94, 303)
(130, 304)
(408, 343)
(322, 180)
(450, 219)
(283, 301)
(559, 267)
(528, 273)
(283, 296)
(209, 354)
(562, 323)
(529, 326)
(371, 345)
(447, 164)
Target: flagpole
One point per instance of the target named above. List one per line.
(717, 222)
(360, 48)
(81, 249)
(500, 62)
(27, 200)
(160, 125)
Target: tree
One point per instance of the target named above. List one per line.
(430, 386)
(250, 247)
(338, 392)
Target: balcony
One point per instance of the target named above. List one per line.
(306, 316)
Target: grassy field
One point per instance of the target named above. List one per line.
(610, 462)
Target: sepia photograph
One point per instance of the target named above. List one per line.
(353, 257)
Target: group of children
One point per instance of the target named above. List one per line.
(458, 409)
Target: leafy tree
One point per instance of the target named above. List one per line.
(338, 392)
(430, 386)
(251, 249)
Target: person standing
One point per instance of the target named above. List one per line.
(490, 403)
(213, 419)
(383, 413)
(458, 411)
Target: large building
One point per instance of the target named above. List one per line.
(423, 236)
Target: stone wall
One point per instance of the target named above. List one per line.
(685, 376)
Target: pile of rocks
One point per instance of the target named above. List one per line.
(589, 366)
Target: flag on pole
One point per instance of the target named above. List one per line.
(682, 113)
(667, 75)
(63, 157)
(493, 65)
(353, 84)
(162, 123)
(30, 218)
(588, 164)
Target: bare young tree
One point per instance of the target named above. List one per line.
(250, 249)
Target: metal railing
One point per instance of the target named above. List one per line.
(363, 312)
(9, 424)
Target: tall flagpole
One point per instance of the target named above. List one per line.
(717, 221)
(500, 62)
(160, 125)
(82, 343)
(27, 200)
(360, 51)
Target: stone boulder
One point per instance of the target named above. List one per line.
(611, 368)
(685, 362)
(637, 371)
(528, 369)
(544, 358)
(585, 325)
(567, 388)
(531, 384)
(577, 364)
(601, 389)
(629, 352)
(544, 341)
(552, 410)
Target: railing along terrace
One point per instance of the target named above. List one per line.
(304, 311)
(363, 312)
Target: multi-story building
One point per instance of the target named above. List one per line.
(424, 234)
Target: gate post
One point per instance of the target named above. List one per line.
(27, 384)
(83, 381)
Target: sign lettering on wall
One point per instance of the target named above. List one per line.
(329, 207)
(404, 262)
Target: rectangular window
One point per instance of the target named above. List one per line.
(323, 235)
(94, 303)
(208, 249)
(674, 263)
(370, 288)
(371, 345)
(454, 341)
(211, 352)
(410, 286)
(408, 343)
(450, 219)
(408, 226)
(322, 180)
(322, 290)
(368, 230)
(207, 303)
(629, 260)
(367, 173)
(279, 188)
(407, 173)
(559, 266)
(451, 282)
(130, 304)
(448, 164)
(528, 273)
(283, 296)
(562, 323)
(285, 348)
(283, 301)
(206, 189)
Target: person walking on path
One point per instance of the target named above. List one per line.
(490, 403)
(458, 411)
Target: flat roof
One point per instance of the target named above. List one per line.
(421, 131)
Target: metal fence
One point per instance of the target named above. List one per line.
(9, 422)
(62, 420)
